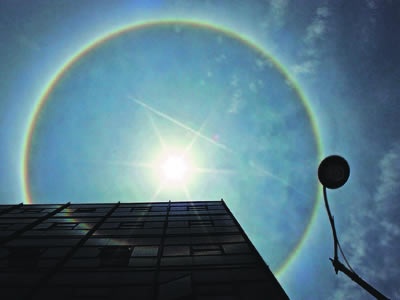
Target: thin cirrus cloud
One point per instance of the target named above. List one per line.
(314, 32)
(370, 245)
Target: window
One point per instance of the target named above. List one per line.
(32, 210)
(224, 223)
(143, 262)
(196, 208)
(214, 207)
(236, 248)
(221, 217)
(206, 250)
(85, 209)
(154, 224)
(145, 251)
(109, 226)
(176, 250)
(176, 261)
(178, 208)
(141, 208)
(64, 226)
(230, 238)
(201, 223)
(115, 256)
(130, 225)
(43, 226)
(177, 240)
(159, 208)
(177, 224)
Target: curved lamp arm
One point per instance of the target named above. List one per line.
(331, 219)
(340, 267)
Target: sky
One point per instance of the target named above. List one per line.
(96, 95)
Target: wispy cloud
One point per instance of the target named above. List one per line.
(371, 242)
(237, 102)
(276, 15)
(371, 4)
(315, 32)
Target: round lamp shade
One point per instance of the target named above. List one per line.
(333, 172)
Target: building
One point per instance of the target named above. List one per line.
(159, 250)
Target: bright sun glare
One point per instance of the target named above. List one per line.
(174, 168)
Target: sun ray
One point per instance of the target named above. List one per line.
(156, 130)
(187, 193)
(119, 163)
(189, 146)
(215, 171)
(158, 191)
(263, 172)
(165, 116)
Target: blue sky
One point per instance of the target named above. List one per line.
(343, 56)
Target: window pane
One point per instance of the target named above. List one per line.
(176, 250)
(127, 225)
(178, 224)
(224, 223)
(43, 226)
(207, 252)
(64, 226)
(142, 262)
(236, 248)
(205, 247)
(197, 208)
(145, 251)
(153, 224)
(200, 223)
(85, 209)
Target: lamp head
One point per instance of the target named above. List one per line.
(333, 172)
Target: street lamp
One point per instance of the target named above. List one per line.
(333, 173)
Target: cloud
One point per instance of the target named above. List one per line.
(276, 16)
(237, 102)
(253, 87)
(306, 67)
(371, 241)
(371, 4)
(278, 11)
(234, 80)
(315, 32)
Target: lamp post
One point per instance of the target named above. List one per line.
(333, 173)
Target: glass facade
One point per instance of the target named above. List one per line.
(153, 251)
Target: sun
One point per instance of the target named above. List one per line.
(174, 168)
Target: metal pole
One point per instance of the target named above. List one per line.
(340, 267)
(335, 243)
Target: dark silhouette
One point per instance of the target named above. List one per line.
(333, 173)
(143, 251)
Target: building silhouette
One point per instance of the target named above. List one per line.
(160, 250)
